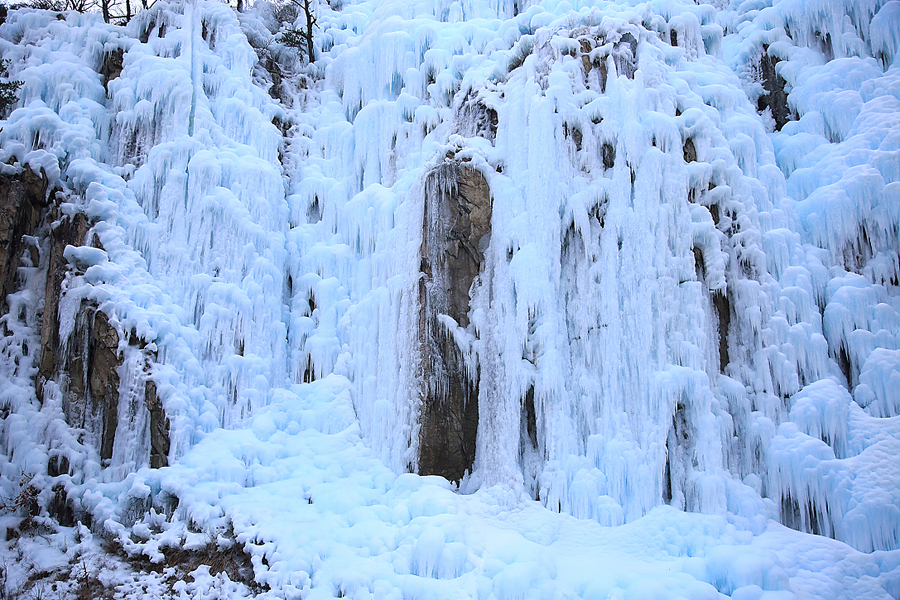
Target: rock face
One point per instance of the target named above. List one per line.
(690, 151)
(159, 427)
(68, 231)
(86, 365)
(88, 369)
(775, 98)
(474, 118)
(112, 66)
(23, 198)
(91, 399)
(456, 230)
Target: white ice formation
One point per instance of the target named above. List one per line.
(685, 332)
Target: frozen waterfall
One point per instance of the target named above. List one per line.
(624, 276)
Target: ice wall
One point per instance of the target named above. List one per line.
(597, 329)
(688, 295)
(657, 286)
(173, 159)
(840, 170)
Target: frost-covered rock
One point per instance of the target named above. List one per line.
(455, 232)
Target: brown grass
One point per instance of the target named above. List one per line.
(232, 561)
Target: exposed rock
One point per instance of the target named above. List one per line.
(86, 365)
(699, 264)
(608, 153)
(689, 151)
(91, 398)
(68, 231)
(159, 427)
(271, 66)
(528, 431)
(573, 132)
(679, 459)
(714, 213)
(842, 357)
(113, 63)
(61, 507)
(722, 305)
(529, 449)
(604, 71)
(826, 47)
(144, 35)
(625, 56)
(585, 45)
(775, 98)
(857, 251)
(475, 119)
(455, 230)
(23, 198)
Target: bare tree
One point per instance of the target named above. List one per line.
(55, 5)
(308, 9)
(112, 10)
(118, 11)
(298, 38)
(78, 5)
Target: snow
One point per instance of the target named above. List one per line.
(704, 310)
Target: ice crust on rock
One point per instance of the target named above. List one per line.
(685, 330)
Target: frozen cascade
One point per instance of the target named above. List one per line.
(632, 262)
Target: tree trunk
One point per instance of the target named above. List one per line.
(310, 22)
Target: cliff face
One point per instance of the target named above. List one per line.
(628, 262)
(83, 365)
(456, 226)
(23, 197)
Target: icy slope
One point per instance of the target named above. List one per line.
(178, 169)
(686, 297)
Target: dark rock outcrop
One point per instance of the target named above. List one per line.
(89, 364)
(608, 152)
(775, 98)
(625, 55)
(23, 198)
(113, 63)
(68, 231)
(475, 119)
(86, 364)
(722, 305)
(91, 398)
(689, 151)
(159, 427)
(455, 231)
(586, 45)
(680, 459)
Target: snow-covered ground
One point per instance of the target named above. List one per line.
(694, 286)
